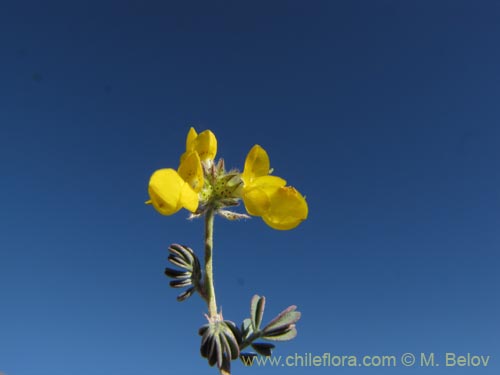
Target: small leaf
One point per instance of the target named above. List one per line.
(190, 274)
(257, 311)
(212, 352)
(230, 345)
(246, 328)
(196, 268)
(219, 349)
(226, 367)
(263, 348)
(218, 344)
(180, 283)
(206, 342)
(235, 330)
(279, 330)
(234, 347)
(186, 294)
(179, 262)
(183, 251)
(283, 335)
(285, 318)
(176, 274)
(203, 329)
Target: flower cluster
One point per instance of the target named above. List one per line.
(199, 183)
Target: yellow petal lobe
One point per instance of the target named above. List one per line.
(169, 192)
(256, 201)
(191, 171)
(256, 164)
(190, 139)
(206, 145)
(287, 209)
(189, 198)
(257, 195)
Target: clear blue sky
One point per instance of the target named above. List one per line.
(385, 114)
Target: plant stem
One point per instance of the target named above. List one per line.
(209, 276)
(209, 272)
(250, 339)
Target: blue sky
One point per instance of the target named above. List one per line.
(384, 114)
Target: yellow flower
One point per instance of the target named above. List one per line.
(205, 144)
(198, 184)
(170, 190)
(281, 207)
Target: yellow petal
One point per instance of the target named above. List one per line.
(256, 201)
(190, 139)
(190, 143)
(256, 164)
(191, 171)
(267, 181)
(206, 145)
(169, 192)
(257, 195)
(287, 209)
(189, 198)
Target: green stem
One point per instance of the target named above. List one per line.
(209, 272)
(250, 339)
(209, 276)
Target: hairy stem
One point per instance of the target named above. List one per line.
(209, 276)
(209, 272)
(250, 339)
